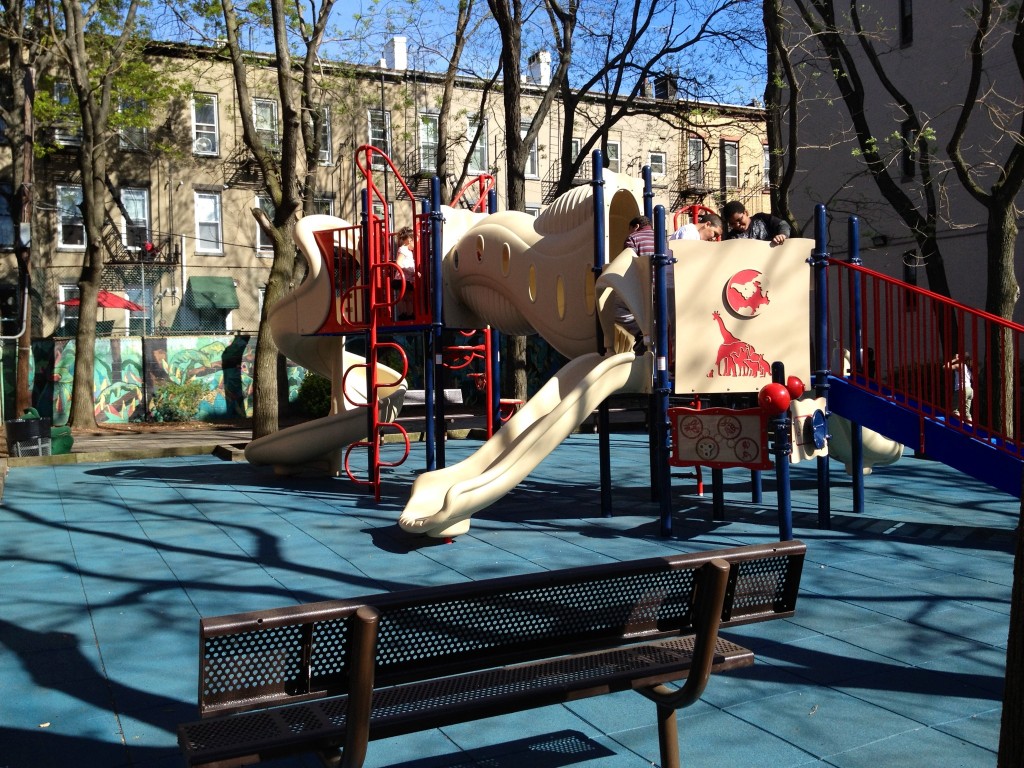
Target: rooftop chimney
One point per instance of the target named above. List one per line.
(396, 56)
(540, 68)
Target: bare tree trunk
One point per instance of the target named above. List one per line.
(1011, 733)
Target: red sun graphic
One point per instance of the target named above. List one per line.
(746, 293)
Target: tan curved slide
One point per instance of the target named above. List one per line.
(297, 314)
(443, 501)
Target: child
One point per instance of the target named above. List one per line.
(406, 261)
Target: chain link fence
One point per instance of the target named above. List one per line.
(141, 300)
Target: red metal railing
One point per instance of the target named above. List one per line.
(917, 348)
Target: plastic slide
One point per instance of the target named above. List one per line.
(302, 312)
(878, 450)
(443, 501)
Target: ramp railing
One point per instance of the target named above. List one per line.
(918, 349)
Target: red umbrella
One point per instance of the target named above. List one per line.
(108, 300)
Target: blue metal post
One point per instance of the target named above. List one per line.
(603, 422)
(652, 401)
(782, 447)
(494, 364)
(857, 359)
(819, 262)
(434, 440)
(663, 386)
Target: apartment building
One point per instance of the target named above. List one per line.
(184, 248)
(925, 57)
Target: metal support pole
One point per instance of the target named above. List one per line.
(819, 263)
(782, 447)
(857, 364)
(603, 420)
(663, 386)
(432, 353)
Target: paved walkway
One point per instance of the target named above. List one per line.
(895, 657)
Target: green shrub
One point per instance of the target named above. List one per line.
(314, 397)
(178, 402)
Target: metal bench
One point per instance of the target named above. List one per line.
(329, 677)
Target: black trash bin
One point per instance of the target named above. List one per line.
(28, 437)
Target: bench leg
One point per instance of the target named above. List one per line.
(668, 737)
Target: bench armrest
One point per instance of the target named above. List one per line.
(713, 580)
(360, 698)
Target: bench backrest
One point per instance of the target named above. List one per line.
(283, 655)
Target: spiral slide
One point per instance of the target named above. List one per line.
(443, 501)
(298, 314)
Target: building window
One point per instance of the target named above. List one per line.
(71, 228)
(133, 137)
(478, 151)
(908, 155)
(264, 115)
(135, 232)
(533, 210)
(428, 142)
(264, 245)
(695, 162)
(613, 156)
(326, 156)
(6, 219)
(906, 22)
(68, 132)
(205, 134)
(67, 323)
(141, 323)
(380, 135)
(766, 171)
(323, 206)
(532, 170)
(658, 163)
(730, 164)
(208, 223)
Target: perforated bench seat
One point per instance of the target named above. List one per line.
(435, 703)
(333, 676)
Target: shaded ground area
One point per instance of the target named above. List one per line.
(895, 656)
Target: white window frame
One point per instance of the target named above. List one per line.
(478, 158)
(64, 194)
(265, 120)
(532, 169)
(264, 245)
(67, 292)
(658, 162)
(378, 132)
(206, 136)
(695, 165)
(326, 138)
(730, 164)
(133, 139)
(131, 197)
(766, 172)
(216, 223)
(69, 132)
(323, 206)
(429, 132)
(613, 158)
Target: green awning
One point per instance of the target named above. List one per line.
(212, 293)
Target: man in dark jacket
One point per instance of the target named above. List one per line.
(760, 226)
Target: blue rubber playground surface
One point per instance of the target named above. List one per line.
(895, 656)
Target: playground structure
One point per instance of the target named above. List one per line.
(519, 274)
